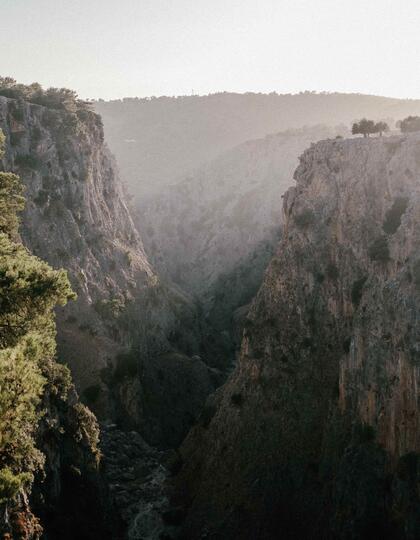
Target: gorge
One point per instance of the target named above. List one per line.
(248, 344)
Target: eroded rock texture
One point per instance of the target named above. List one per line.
(124, 320)
(214, 232)
(316, 434)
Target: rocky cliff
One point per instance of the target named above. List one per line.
(124, 321)
(317, 432)
(203, 226)
(214, 232)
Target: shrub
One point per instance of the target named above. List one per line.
(357, 290)
(29, 375)
(62, 254)
(109, 309)
(15, 138)
(394, 215)
(86, 327)
(27, 161)
(416, 274)
(41, 198)
(364, 127)
(332, 271)
(11, 484)
(128, 257)
(409, 124)
(379, 250)
(305, 218)
(17, 114)
(127, 365)
(36, 134)
(347, 344)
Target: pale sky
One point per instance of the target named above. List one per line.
(117, 48)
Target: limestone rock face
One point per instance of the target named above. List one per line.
(77, 217)
(214, 232)
(317, 432)
(206, 225)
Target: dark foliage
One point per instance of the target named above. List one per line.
(394, 215)
(379, 250)
(357, 290)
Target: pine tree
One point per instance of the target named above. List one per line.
(29, 291)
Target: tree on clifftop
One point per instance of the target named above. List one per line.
(409, 124)
(364, 127)
(367, 127)
(381, 127)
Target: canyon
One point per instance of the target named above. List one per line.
(246, 327)
(316, 434)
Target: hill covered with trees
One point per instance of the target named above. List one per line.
(157, 139)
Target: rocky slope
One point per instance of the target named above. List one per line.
(203, 226)
(317, 432)
(77, 217)
(214, 232)
(157, 139)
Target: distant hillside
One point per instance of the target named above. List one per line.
(218, 214)
(157, 139)
(213, 233)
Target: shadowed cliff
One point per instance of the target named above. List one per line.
(317, 432)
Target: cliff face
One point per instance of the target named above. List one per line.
(214, 232)
(317, 432)
(220, 214)
(76, 217)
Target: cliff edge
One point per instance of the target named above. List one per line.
(317, 432)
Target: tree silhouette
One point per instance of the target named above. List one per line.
(409, 124)
(381, 128)
(364, 127)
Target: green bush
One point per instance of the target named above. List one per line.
(394, 215)
(379, 250)
(53, 98)
(11, 484)
(109, 309)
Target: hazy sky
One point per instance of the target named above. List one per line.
(116, 48)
